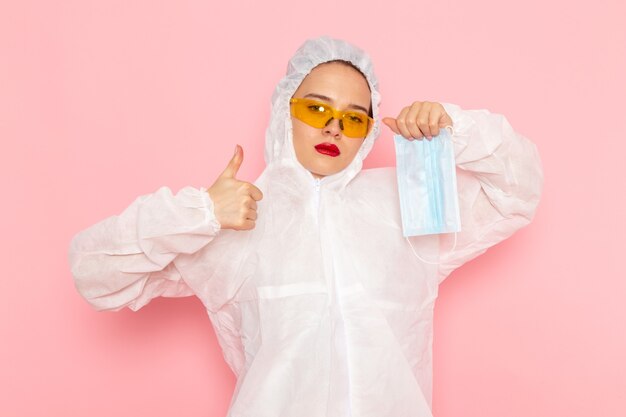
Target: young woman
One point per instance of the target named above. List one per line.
(317, 300)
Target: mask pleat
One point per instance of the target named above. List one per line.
(426, 174)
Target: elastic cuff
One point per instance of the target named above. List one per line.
(209, 207)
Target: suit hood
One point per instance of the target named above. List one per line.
(279, 151)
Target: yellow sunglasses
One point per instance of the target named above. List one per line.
(354, 124)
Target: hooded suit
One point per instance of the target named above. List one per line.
(322, 309)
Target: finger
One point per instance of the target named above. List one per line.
(255, 193)
(251, 214)
(391, 123)
(250, 203)
(401, 123)
(246, 225)
(234, 164)
(411, 120)
(445, 120)
(423, 117)
(436, 114)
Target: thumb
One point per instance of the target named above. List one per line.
(234, 164)
(391, 123)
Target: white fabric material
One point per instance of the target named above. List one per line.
(322, 309)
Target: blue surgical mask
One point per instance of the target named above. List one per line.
(426, 173)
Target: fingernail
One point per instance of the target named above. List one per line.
(235, 150)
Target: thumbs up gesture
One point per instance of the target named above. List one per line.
(234, 201)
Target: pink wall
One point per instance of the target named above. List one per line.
(101, 101)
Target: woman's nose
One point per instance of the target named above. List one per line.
(333, 128)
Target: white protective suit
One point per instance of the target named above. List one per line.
(322, 309)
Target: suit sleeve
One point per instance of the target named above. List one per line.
(128, 259)
(499, 184)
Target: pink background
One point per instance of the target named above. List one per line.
(102, 101)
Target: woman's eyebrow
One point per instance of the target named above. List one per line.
(322, 97)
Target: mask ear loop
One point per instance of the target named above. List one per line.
(425, 261)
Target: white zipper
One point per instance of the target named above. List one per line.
(316, 208)
(316, 198)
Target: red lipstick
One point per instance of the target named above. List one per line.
(327, 149)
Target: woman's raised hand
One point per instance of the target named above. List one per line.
(422, 118)
(234, 201)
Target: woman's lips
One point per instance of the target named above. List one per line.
(327, 149)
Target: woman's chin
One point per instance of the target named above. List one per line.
(321, 173)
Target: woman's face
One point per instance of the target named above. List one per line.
(343, 88)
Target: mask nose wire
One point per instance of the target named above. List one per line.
(432, 263)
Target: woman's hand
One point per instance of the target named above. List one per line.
(234, 201)
(422, 118)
